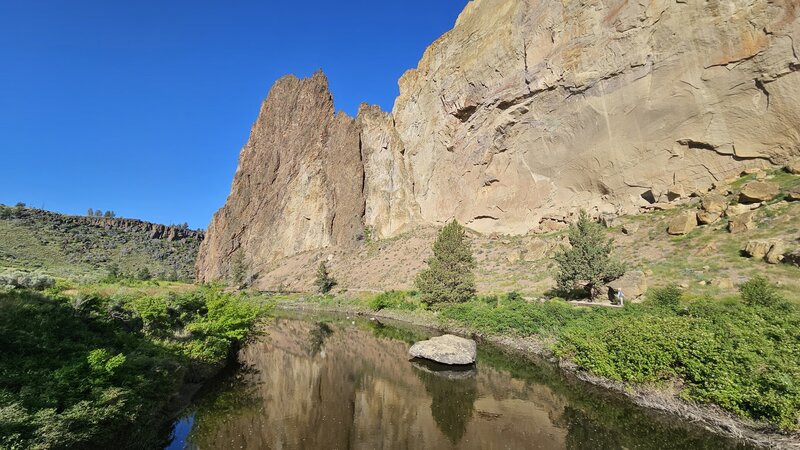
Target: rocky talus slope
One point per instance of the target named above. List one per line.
(524, 112)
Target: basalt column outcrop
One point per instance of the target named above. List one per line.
(523, 113)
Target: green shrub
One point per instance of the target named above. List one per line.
(393, 300)
(667, 297)
(514, 296)
(588, 259)
(324, 281)
(515, 317)
(82, 380)
(153, 311)
(740, 358)
(491, 300)
(758, 291)
(448, 277)
(26, 280)
(144, 274)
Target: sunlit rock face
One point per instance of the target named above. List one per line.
(524, 112)
(533, 108)
(298, 185)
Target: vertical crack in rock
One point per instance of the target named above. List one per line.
(760, 86)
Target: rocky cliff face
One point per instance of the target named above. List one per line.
(523, 113)
(299, 184)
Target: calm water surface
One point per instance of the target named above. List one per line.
(317, 382)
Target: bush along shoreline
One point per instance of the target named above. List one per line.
(81, 370)
(735, 354)
(739, 354)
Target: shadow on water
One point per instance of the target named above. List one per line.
(325, 381)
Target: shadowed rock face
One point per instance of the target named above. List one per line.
(523, 113)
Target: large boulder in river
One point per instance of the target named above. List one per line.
(447, 349)
(758, 191)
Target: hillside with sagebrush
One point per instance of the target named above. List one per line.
(88, 248)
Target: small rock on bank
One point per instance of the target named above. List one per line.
(447, 349)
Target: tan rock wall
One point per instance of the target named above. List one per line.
(525, 112)
(530, 109)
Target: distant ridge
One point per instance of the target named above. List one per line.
(82, 246)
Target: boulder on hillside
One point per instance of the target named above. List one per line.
(632, 285)
(793, 195)
(609, 220)
(707, 218)
(683, 223)
(736, 210)
(714, 203)
(794, 167)
(758, 248)
(446, 349)
(775, 254)
(758, 191)
(677, 192)
(536, 249)
(742, 223)
(630, 228)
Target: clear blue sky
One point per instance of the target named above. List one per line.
(141, 106)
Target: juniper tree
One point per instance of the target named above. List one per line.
(324, 282)
(449, 277)
(588, 259)
(238, 268)
(144, 274)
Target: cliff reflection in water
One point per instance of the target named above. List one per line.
(338, 385)
(328, 386)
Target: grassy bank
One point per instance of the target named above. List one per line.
(83, 366)
(739, 353)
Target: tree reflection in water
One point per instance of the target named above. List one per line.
(453, 392)
(318, 336)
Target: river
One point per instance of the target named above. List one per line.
(332, 382)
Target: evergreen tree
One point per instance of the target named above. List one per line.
(449, 277)
(588, 259)
(113, 271)
(144, 274)
(98, 213)
(90, 212)
(108, 214)
(324, 282)
(238, 268)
